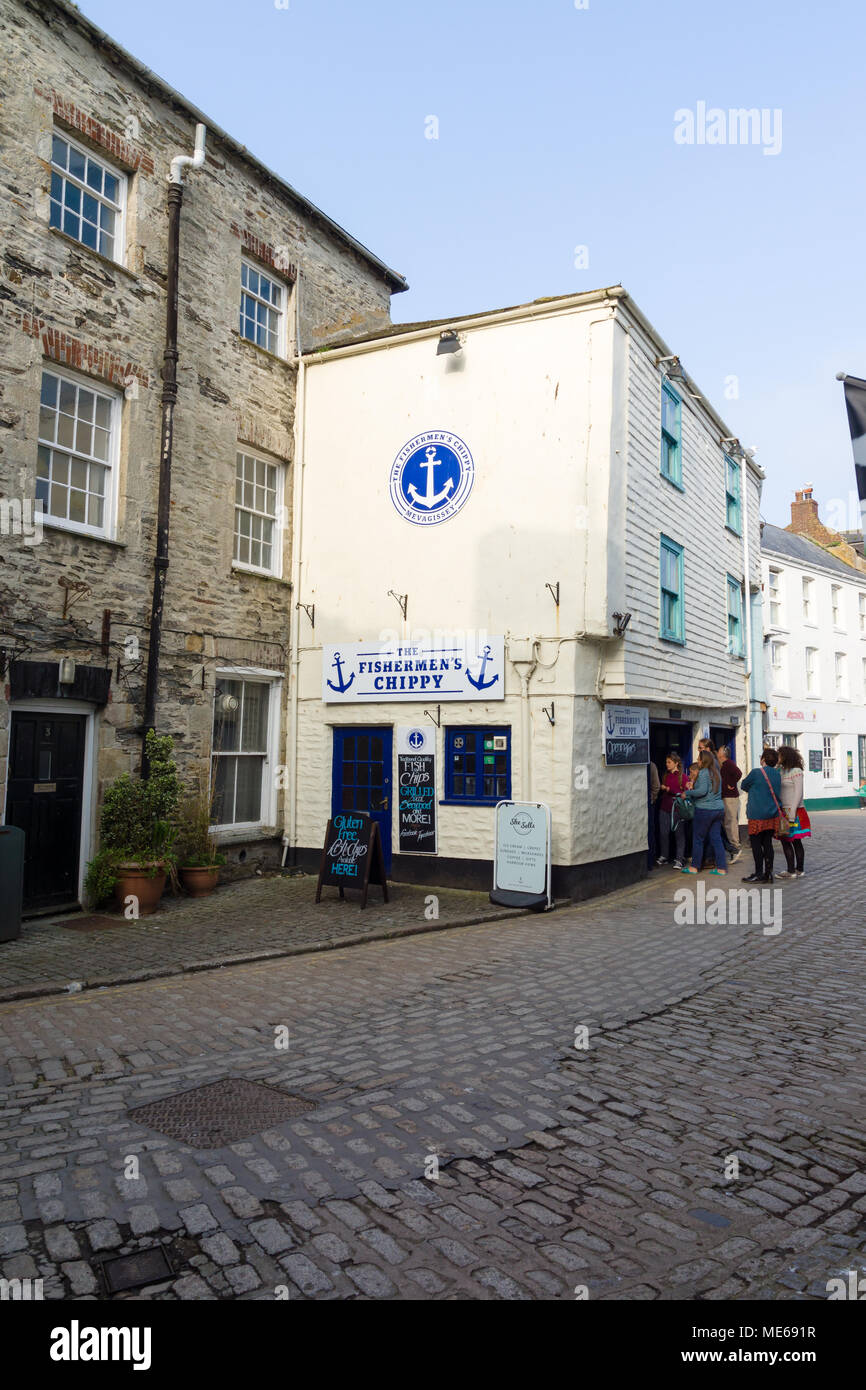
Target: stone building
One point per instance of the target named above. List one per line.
(88, 134)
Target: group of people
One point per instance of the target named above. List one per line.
(709, 798)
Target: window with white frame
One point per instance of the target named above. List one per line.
(263, 309)
(863, 659)
(780, 740)
(778, 665)
(836, 604)
(829, 757)
(76, 453)
(811, 670)
(775, 596)
(861, 601)
(87, 198)
(808, 600)
(244, 725)
(841, 669)
(258, 512)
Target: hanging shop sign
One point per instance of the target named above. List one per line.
(432, 477)
(352, 855)
(416, 794)
(371, 672)
(625, 735)
(521, 855)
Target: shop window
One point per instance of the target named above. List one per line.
(478, 765)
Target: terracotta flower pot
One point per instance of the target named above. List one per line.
(139, 881)
(200, 880)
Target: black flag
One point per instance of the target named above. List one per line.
(855, 401)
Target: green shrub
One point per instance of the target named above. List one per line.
(137, 820)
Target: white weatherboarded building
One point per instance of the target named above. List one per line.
(558, 518)
(815, 662)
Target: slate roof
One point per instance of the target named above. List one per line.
(775, 541)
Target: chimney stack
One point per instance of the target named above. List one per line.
(804, 518)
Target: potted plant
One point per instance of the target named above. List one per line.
(137, 832)
(197, 857)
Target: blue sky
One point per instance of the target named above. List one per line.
(556, 130)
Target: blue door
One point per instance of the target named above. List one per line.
(362, 777)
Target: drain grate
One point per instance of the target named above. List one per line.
(93, 923)
(211, 1116)
(149, 1266)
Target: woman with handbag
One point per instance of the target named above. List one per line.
(796, 822)
(763, 809)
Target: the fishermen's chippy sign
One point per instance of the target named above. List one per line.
(458, 668)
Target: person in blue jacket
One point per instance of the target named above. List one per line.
(706, 797)
(763, 809)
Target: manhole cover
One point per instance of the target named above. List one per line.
(93, 923)
(134, 1271)
(212, 1116)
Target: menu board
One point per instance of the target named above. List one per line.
(416, 794)
(352, 855)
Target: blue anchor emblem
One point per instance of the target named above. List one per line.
(481, 683)
(342, 686)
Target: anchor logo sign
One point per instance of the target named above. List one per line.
(341, 686)
(431, 497)
(481, 683)
(431, 477)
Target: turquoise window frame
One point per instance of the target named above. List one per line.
(672, 444)
(675, 632)
(733, 500)
(736, 638)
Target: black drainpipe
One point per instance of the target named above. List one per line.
(169, 400)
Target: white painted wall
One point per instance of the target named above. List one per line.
(792, 708)
(560, 408)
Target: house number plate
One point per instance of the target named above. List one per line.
(45, 786)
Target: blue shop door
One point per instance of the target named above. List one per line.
(362, 778)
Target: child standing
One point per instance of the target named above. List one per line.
(674, 784)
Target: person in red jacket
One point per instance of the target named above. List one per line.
(731, 775)
(674, 783)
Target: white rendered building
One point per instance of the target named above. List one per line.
(815, 663)
(540, 499)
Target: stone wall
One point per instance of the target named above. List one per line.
(64, 303)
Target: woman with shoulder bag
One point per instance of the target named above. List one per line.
(764, 811)
(797, 826)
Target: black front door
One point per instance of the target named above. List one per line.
(43, 798)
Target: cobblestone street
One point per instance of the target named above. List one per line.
(559, 1167)
(254, 919)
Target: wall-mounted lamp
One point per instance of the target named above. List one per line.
(621, 622)
(733, 447)
(673, 368)
(448, 342)
(66, 673)
(228, 704)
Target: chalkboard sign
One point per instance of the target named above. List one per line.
(416, 798)
(352, 855)
(816, 760)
